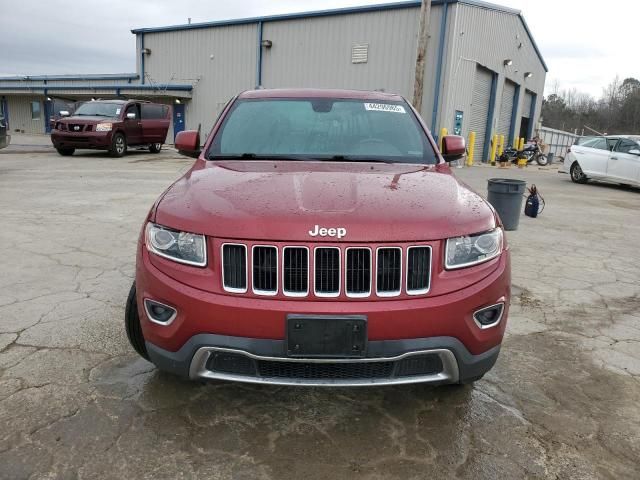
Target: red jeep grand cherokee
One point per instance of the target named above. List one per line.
(112, 125)
(320, 239)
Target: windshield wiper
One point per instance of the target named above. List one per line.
(253, 156)
(346, 158)
(333, 158)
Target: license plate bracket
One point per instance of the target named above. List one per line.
(319, 336)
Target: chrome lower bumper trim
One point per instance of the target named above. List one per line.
(449, 373)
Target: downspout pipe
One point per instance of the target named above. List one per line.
(436, 95)
(142, 58)
(259, 56)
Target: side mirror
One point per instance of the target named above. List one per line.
(453, 148)
(131, 116)
(188, 143)
(64, 113)
(635, 151)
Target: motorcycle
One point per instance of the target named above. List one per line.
(531, 153)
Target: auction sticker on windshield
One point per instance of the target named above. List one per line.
(384, 107)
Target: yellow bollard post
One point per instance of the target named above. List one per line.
(494, 149)
(522, 162)
(472, 146)
(443, 133)
(516, 142)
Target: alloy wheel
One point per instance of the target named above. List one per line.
(576, 173)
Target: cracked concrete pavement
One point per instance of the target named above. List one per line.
(76, 402)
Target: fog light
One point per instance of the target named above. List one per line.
(490, 316)
(159, 313)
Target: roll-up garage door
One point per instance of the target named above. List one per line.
(506, 109)
(480, 108)
(526, 108)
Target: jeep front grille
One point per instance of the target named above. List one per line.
(298, 271)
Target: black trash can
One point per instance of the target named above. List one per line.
(505, 194)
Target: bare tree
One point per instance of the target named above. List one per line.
(616, 111)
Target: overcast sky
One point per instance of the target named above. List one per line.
(585, 46)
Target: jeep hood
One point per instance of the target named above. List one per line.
(283, 201)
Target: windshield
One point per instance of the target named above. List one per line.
(322, 129)
(99, 109)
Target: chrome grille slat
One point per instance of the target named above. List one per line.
(418, 270)
(358, 272)
(234, 267)
(389, 271)
(295, 267)
(327, 271)
(265, 270)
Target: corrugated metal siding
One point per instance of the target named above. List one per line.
(480, 107)
(316, 52)
(185, 57)
(506, 108)
(486, 37)
(19, 109)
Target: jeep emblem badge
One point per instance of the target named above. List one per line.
(338, 232)
(76, 128)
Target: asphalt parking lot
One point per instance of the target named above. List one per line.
(76, 402)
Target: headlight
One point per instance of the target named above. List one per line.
(181, 247)
(473, 249)
(104, 127)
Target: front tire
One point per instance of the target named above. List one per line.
(66, 152)
(155, 147)
(577, 175)
(118, 145)
(132, 324)
(542, 160)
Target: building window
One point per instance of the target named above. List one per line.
(35, 110)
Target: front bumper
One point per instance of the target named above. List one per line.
(436, 360)
(91, 140)
(427, 329)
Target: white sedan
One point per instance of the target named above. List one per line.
(611, 159)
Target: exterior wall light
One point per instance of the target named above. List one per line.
(267, 43)
(528, 75)
(146, 51)
(508, 62)
(177, 101)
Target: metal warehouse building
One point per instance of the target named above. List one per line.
(483, 72)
